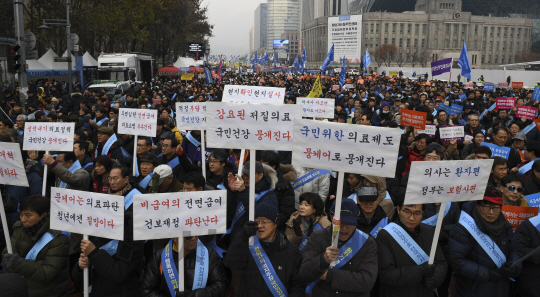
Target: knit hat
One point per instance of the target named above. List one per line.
(267, 210)
(106, 130)
(367, 194)
(150, 158)
(493, 195)
(384, 104)
(258, 168)
(349, 211)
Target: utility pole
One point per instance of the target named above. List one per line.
(21, 40)
(68, 33)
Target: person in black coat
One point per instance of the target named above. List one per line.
(284, 257)
(114, 152)
(370, 212)
(357, 276)
(475, 272)
(532, 183)
(154, 283)
(528, 237)
(170, 152)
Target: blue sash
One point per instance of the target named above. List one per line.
(201, 267)
(125, 154)
(487, 244)
(501, 151)
(170, 272)
(267, 270)
(382, 223)
(240, 211)
(525, 168)
(20, 132)
(136, 166)
(72, 169)
(303, 242)
(529, 128)
(128, 200)
(144, 183)
(174, 162)
(432, 221)
(100, 121)
(346, 253)
(108, 145)
(352, 197)
(193, 140)
(535, 221)
(407, 243)
(42, 242)
(111, 247)
(213, 245)
(88, 164)
(306, 178)
(221, 187)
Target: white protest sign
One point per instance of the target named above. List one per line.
(430, 130)
(11, 165)
(191, 116)
(87, 213)
(253, 94)
(140, 122)
(50, 136)
(347, 148)
(251, 126)
(316, 107)
(437, 181)
(169, 214)
(452, 132)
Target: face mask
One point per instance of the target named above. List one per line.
(385, 111)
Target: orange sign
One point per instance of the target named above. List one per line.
(416, 119)
(289, 77)
(537, 122)
(348, 80)
(517, 85)
(517, 214)
(361, 81)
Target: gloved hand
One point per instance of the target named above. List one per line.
(184, 293)
(512, 272)
(297, 229)
(11, 261)
(250, 229)
(429, 282)
(424, 268)
(430, 271)
(500, 274)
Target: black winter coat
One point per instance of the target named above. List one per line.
(285, 258)
(114, 152)
(471, 264)
(178, 171)
(286, 200)
(363, 224)
(154, 284)
(356, 278)
(398, 273)
(531, 185)
(528, 238)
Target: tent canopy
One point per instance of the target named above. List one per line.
(36, 69)
(184, 62)
(89, 61)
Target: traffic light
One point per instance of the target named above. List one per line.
(13, 58)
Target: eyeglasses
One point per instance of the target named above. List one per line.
(471, 120)
(487, 208)
(263, 223)
(513, 188)
(408, 213)
(213, 161)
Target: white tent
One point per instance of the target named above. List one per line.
(59, 68)
(89, 61)
(47, 59)
(184, 62)
(36, 69)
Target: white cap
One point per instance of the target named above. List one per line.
(163, 171)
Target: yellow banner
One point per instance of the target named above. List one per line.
(392, 73)
(316, 91)
(187, 76)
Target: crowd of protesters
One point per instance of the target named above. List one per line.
(292, 224)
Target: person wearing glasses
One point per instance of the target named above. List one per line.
(512, 191)
(271, 266)
(482, 248)
(170, 155)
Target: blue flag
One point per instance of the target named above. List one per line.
(208, 75)
(295, 63)
(464, 62)
(275, 61)
(303, 61)
(329, 59)
(342, 74)
(254, 62)
(367, 59)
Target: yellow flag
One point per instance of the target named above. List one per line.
(316, 91)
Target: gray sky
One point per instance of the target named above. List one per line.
(232, 20)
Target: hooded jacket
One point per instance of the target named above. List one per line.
(386, 204)
(291, 235)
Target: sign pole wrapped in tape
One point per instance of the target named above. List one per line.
(449, 181)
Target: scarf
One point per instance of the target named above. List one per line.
(123, 192)
(495, 230)
(34, 228)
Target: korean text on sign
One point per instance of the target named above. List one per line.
(343, 147)
(140, 122)
(452, 132)
(11, 165)
(253, 94)
(436, 181)
(505, 102)
(528, 112)
(52, 136)
(515, 215)
(87, 213)
(168, 215)
(191, 116)
(430, 130)
(253, 126)
(316, 107)
(416, 119)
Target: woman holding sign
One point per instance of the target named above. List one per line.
(40, 254)
(204, 274)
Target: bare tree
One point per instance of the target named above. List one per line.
(378, 56)
(400, 57)
(386, 52)
(423, 57)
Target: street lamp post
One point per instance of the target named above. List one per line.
(55, 22)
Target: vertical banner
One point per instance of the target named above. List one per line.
(141, 122)
(345, 33)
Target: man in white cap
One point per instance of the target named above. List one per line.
(163, 181)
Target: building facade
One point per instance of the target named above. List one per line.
(260, 28)
(434, 31)
(283, 16)
(252, 40)
(294, 44)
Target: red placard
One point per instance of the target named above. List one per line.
(503, 85)
(469, 85)
(416, 119)
(527, 112)
(335, 87)
(156, 101)
(517, 214)
(517, 85)
(505, 102)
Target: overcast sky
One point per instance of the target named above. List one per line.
(232, 20)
